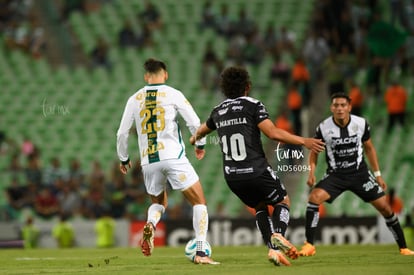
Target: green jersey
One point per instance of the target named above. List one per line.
(105, 229)
(64, 234)
(30, 236)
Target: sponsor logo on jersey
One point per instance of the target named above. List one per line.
(225, 104)
(234, 170)
(346, 151)
(237, 108)
(229, 170)
(153, 148)
(144, 94)
(345, 140)
(223, 111)
(346, 164)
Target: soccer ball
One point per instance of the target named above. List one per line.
(191, 248)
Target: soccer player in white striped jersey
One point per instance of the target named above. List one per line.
(154, 109)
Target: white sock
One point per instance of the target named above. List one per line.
(200, 224)
(155, 212)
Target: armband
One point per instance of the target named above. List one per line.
(377, 173)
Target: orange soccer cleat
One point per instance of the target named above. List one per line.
(307, 250)
(289, 249)
(147, 245)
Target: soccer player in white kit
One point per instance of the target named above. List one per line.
(154, 110)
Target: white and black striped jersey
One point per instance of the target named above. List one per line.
(344, 145)
(154, 110)
(236, 123)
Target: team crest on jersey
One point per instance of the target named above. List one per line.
(354, 128)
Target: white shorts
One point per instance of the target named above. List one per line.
(179, 173)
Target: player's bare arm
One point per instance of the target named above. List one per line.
(272, 132)
(371, 154)
(201, 132)
(313, 160)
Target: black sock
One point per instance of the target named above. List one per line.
(281, 218)
(265, 225)
(312, 220)
(394, 226)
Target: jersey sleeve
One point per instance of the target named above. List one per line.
(210, 122)
(123, 131)
(367, 132)
(318, 133)
(261, 113)
(185, 109)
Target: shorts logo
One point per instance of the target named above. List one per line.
(369, 185)
(182, 177)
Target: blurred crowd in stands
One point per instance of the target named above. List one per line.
(21, 28)
(340, 40)
(149, 20)
(50, 190)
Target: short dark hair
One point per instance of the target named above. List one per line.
(341, 95)
(234, 81)
(152, 65)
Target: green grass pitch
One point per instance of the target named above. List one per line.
(345, 259)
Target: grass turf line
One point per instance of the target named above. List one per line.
(338, 260)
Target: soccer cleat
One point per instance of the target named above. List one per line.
(406, 252)
(147, 244)
(307, 250)
(204, 260)
(277, 258)
(289, 249)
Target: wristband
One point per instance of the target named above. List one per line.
(125, 162)
(377, 173)
(201, 147)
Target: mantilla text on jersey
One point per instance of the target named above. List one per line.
(231, 122)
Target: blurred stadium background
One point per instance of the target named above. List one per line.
(70, 110)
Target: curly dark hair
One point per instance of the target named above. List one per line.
(152, 65)
(234, 81)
